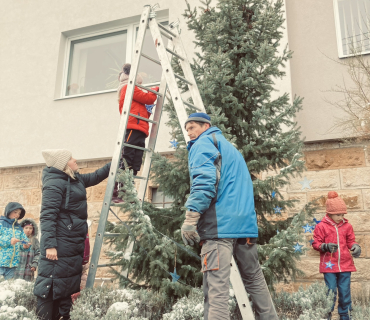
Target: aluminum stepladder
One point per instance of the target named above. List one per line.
(168, 80)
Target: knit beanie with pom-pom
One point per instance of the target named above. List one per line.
(335, 204)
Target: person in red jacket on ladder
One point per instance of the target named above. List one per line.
(335, 240)
(137, 130)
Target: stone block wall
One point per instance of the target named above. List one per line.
(330, 166)
(345, 169)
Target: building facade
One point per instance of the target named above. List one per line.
(59, 67)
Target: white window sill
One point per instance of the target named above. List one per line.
(85, 94)
(149, 85)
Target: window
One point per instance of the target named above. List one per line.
(160, 200)
(352, 22)
(95, 61)
(151, 71)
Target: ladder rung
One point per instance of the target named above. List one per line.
(165, 29)
(148, 89)
(142, 118)
(166, 35)
(107, 234)
(109, 265)
(151, 59)
(141, 178)
(183, 79)
(135, 147)
(112, 204)
(175, 54)
(191, 105)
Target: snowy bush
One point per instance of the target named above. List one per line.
(119, 304)
(308, 304)
(17, 301)
(191, 307)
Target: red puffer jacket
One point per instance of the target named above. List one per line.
(327, 231)
(139, 100)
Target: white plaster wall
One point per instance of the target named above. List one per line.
(31, 55)
(315, 67)
(31, 120)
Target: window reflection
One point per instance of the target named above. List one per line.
(150, 71)
(95, 62)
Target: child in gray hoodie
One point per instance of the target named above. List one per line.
(28, 260)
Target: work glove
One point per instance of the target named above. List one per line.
(356, 250)
(189, 232)
(329, 247)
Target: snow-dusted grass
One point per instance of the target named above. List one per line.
(17, 302)
(118, 304)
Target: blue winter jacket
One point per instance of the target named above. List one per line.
(10, 228)
(221, 188)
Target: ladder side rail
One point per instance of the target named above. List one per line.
(169, 74)
(117, 152)
(188, 73)
(240, 291)
(154, 133)
(148, 156)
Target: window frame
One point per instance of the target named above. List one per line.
(130, 47)
(339, 34)
(154, 203)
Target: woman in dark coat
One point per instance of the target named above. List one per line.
(63, 231)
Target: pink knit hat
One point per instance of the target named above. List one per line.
(335, 204)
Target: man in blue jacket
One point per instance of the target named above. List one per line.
(221, 216)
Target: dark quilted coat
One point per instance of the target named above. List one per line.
(63, 226)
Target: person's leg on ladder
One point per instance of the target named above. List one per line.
(331, 282)
(247, 259)
(139, 140)
(216, 257)
(127, 154)
(344, 295)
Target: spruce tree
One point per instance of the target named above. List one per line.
(237, 63)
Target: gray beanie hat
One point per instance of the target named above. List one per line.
(57, 158)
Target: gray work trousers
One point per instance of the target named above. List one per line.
(216, 257)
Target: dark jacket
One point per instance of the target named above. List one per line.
(10, 228)
(63, 226)
(221, 188)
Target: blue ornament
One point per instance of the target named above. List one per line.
(329, 265)
(313, 228)
(305, 183)
(307, 228)
(149, 107)
(174, 276)
(174, 144)
(277, 209)
(273, 194)
(298, 247)
(311, 242)
(316, 221)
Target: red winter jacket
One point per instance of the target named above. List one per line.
(327, 231)
(139, 100)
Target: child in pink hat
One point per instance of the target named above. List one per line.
(335, 239)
